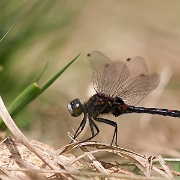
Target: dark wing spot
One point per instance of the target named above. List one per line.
(106, 65)
(128, 59)
(142, 75)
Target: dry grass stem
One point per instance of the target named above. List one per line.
(24, 159)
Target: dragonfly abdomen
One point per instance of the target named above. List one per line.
(163, 112)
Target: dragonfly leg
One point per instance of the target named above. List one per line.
(80, 128)
(92, 126)
(111, 123)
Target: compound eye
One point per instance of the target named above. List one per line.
(75, 108)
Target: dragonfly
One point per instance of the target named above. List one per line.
(119, 87)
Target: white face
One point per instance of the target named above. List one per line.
(75, 108)
(70, 108)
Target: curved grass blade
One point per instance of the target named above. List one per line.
(32, 91)
(43, 71)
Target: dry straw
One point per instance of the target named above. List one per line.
(24, 159)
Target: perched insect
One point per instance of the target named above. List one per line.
(119, 86)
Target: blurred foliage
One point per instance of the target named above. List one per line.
(59, 30)
(42, 28)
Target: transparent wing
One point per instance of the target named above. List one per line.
(130, 81)
(134, 82)
(104, 72)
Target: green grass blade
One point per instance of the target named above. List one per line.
(46, 85)
(23, 99)
(7, 32)
(32, 91)
(43, 71)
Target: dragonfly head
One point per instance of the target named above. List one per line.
(75, 108)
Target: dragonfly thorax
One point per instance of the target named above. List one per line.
(100, 104)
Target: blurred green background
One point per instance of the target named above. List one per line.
(59, 30)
